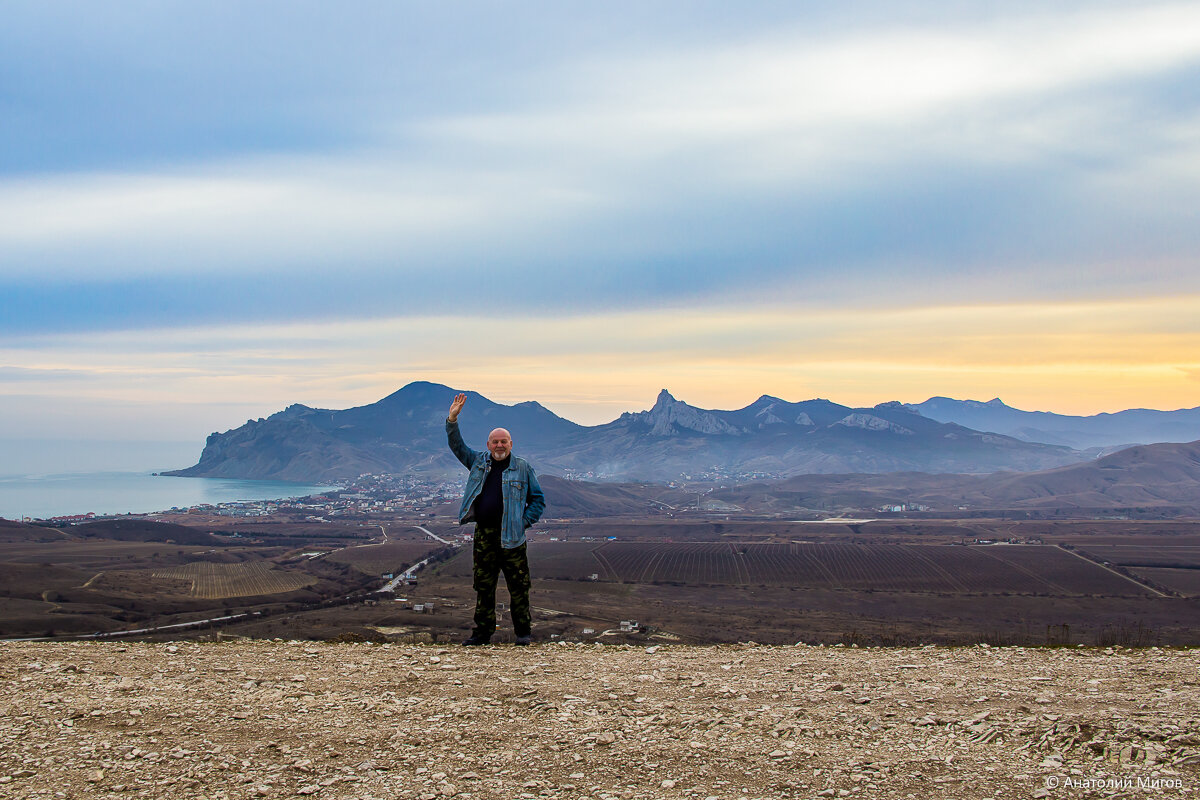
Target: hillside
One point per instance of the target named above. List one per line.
(285, 719)
(118, 530)
(1123, 428)
(1149, 475)
(404, 432)
(143, 530)
(587, 499)
(1159, 476)
(12, 531)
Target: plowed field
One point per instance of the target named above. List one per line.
(215, 581)
(1017, 569)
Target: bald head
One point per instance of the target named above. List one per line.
(500, 444)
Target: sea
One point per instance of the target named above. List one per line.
(42, 496)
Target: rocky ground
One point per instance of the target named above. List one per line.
(286, 719)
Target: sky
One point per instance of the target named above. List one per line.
(209, 211)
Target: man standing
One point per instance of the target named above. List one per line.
(502, 498)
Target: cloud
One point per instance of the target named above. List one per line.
(1070, 356)
(11, 375)
(268, 216)
(817, 98)
(776, 153)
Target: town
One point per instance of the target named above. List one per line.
(365, 495)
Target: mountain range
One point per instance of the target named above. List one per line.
(404, 432)
(1159, 478)
(1145, 481)
(1121, 429)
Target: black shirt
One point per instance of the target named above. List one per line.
(489, 506)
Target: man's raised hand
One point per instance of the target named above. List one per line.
(456, 407)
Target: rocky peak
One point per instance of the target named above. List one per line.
(896, 405)
(767, 400)
(669, 416)
(872, 423)
(293, 411)
(767, 410)
(994, 403)
(766, 416)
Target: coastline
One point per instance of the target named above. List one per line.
(44, 496)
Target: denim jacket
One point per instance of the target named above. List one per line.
(523, 498)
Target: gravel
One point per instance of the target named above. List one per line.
(257, 719)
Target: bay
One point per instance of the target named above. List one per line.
(44, 496)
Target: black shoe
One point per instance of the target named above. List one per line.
(524, 641)
(475, 640)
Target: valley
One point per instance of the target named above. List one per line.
(691, 580)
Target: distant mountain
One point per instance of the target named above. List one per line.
(1146, 475)
(1165, 477)
(774, 436)
(402, 432)
(1123, 428)
(405, 432)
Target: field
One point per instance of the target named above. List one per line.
(1184, 581)
(95, 554)
(54, 583)
(720, 580)
(938, 569)
(886, 582)
(391, 557)
(217, 581)
(1137, 554)
(1165, 561)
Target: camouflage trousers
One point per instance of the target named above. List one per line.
(490, 560)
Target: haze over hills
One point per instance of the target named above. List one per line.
(405, 432)
(1146, 475)
(776, 437)
(1123, 428)
(1160, 480)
